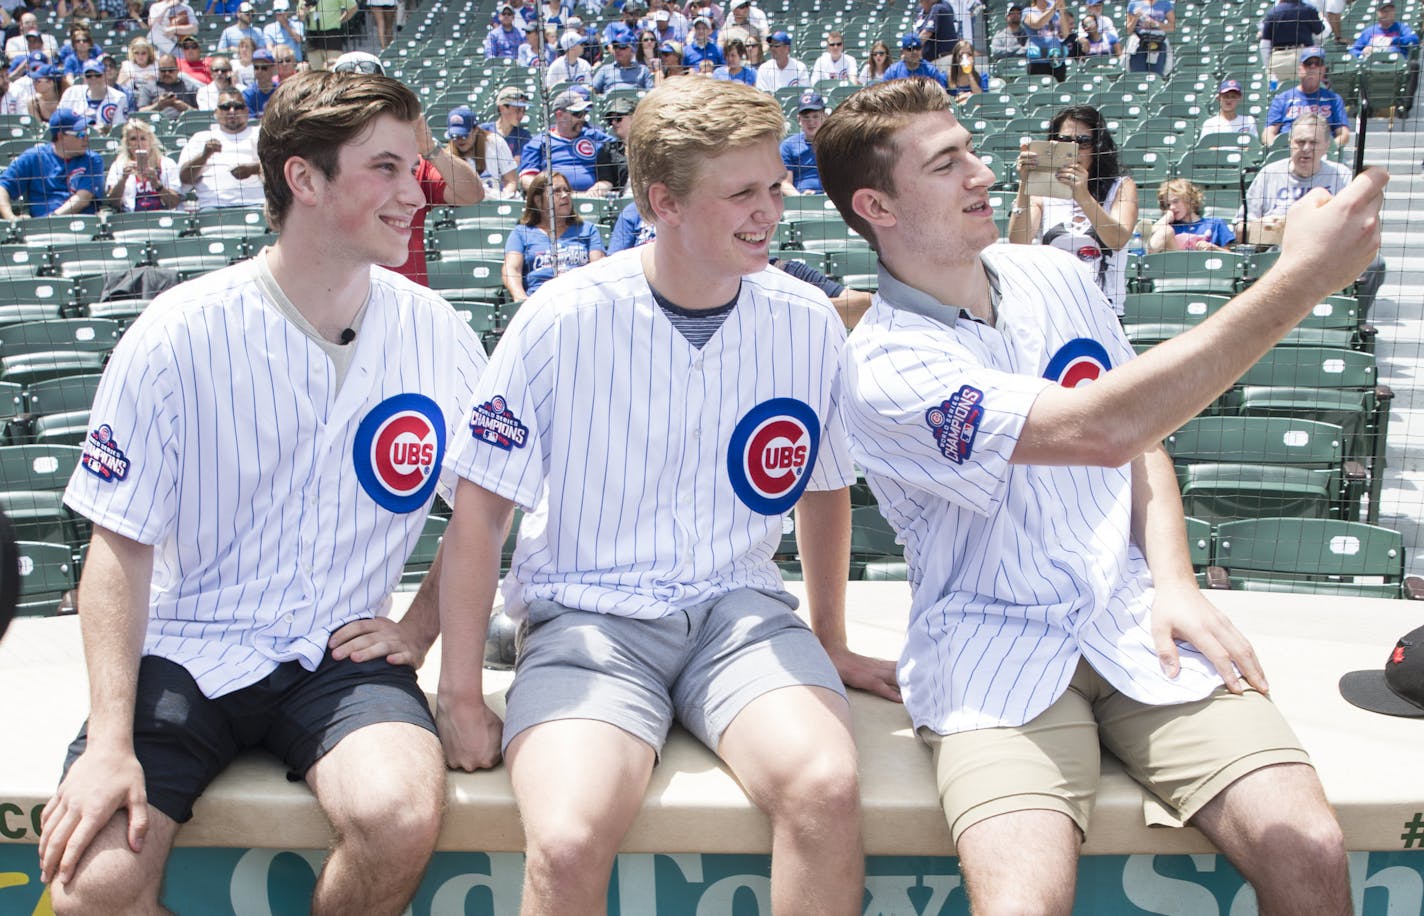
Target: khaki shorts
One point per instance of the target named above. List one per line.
(1285, 62)
(1184, 754)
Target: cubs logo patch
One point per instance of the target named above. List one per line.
(955, 423)
(398, 449)
(108, 112)
(102, 456)
(492, 422)
(771, 454)
(584, 147)
(1079, 361)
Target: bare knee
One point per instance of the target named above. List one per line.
(111, 880)
(824, 788)
(401, 819)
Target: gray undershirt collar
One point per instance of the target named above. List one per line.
(904, 296)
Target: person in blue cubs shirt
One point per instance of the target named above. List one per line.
(57, 178)
(1307, 97)
(575, 146)
(528, 260)
(1385, 34)
(912, 63)
(802, 177)
(1182, 227)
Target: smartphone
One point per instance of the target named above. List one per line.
(141, 160)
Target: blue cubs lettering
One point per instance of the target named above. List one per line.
(493, 423)
(1077, 362)
(398, 449)
(955, 423)
(102, 456)
(771, 454)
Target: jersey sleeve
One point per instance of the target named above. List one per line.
(531, 158)
(499, 446)
(921, 409)
(127, 479)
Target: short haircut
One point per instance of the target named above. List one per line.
(534, 199)
(1312, 121)
(856, 147)
(1187, 190)
(734, 44)
(312, 115)
(680, 124)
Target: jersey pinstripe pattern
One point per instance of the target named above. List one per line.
(1016, 570)
(629, 429)
(242, 465)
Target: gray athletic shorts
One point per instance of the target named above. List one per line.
(702, 665)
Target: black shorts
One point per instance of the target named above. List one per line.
(184, 740)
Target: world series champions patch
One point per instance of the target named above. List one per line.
(1079, 361)
(102, 456)
(494, 423)
(955, 423)
(771, 454)
(398, 449)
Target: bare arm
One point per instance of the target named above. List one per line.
(469, 730)
(400, 642)
(1179, 611)
(7, 208)
(823, 539)
(76, 203)
(462, 182)
(513, 275)
(113, 598)
(1328, 242)
(1113, 226)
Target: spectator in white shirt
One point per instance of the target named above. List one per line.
(834, 64)
(783, 69)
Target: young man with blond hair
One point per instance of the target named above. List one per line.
(659, 412)
(267, 441)
(1014, 442)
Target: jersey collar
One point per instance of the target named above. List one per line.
(901, 295)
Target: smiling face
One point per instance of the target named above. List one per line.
(366, 206)
(941, 199)
(810, 122)
(731, 212)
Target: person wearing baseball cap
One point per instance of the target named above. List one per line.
(105, 106)
(1309, 96)
(611, 167)
(264, 83)
(797, 152)
(511, 103)
(571, 67)
(572, 146)
(912, 62)
(504, 37)
(1228, 120)
(701, 55)
(781, 69)
(242, 28)
(1386, 34)
(285, 29)
(57, 178)
(621, 69)
(483, 151)
(1398, 688)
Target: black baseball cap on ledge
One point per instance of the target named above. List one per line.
(1398, 690)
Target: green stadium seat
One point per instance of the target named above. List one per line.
(143, 227)
(46, 349)
(58, 408)
(1321, 556)
(47, 579)
(25, 299)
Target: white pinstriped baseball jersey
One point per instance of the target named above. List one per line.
(659, 472)
(279, 507)
(1016, 570)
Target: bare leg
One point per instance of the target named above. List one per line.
(579, 784)
(1276, 827)
(793, 752)
(112, 878)
(1020, 863)
(383, 788)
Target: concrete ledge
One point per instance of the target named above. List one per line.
(1370, 764)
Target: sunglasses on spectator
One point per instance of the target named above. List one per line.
(93, 76)
(835, 44)
(878, 53)
(360, 66)
(615, 119)
(167, 69)
(1084, 141)
(619, 44)
(232, 106)
(262, 66)
(646, 40)
(222, 69)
